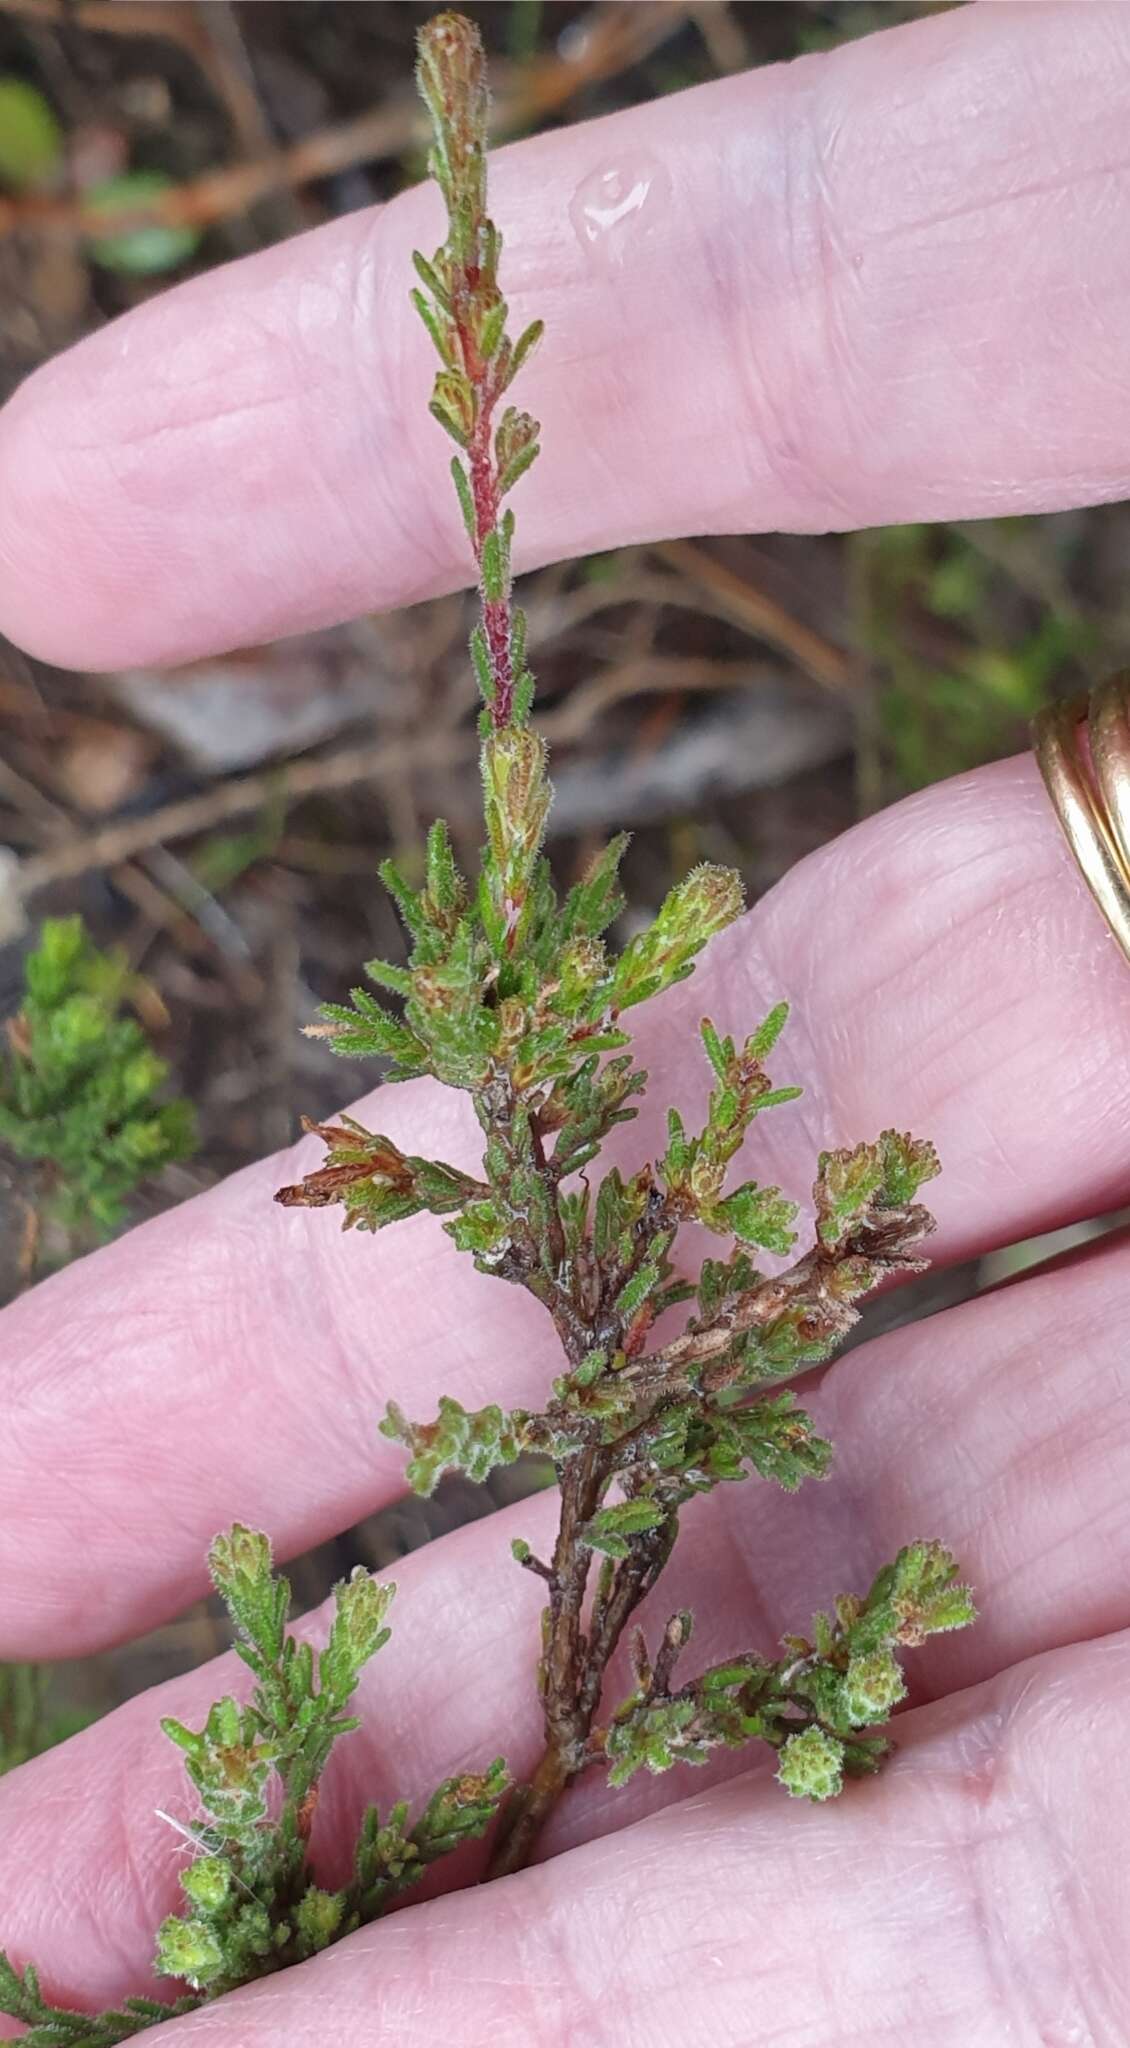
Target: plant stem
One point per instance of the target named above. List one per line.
(497, 612)
(574, 1663)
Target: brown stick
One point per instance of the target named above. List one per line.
(760, 614)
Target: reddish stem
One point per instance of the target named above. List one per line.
(487, 502)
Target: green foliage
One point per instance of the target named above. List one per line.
(458, 1441)
(21, 1714)
(775, 1437)
(859, 1187)
(466, 316)
(31, 141)
(152, 246)
(969, 629)
(252, 1902)
(29, 1723)
(53, 2026)
(82, 1126)
(695, 1168)
(705, 903)
(391, 1856)
(80, 1087)
(610, 1530)
(374, 1181)
(811, 1704)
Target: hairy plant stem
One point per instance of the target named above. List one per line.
(575, 1660)
(497, 617)
(575, 1657)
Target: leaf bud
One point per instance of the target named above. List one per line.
(872, 1686)
(190, 1949)
(812, 1765)
(318, 1916)
(207, 1882)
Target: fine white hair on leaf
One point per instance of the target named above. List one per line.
(196, 1841)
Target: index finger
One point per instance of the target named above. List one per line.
(880, 284)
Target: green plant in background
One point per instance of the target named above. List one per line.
(21, 1707)
(31, 141)
(33, 157)
(512, 995)
(82, 1126)
(29, 1723)
(149, 247)
(80, 1091)
(964, 664)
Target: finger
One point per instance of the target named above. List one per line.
(939, 1902)
(1020, 1465)
(880, 284)
(950, 976)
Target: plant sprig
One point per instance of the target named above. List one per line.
(516, 996)
(253, 1903)
(462, 307)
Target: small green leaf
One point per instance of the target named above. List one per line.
(765, 1038)
(759, 1216)
(439, 337)
(466, 502)
(517, 467)
(149, 249)
(635, 1291)
(491, 331)
(484, 673)
(611, 1529)
(525, 346)
(493, 568)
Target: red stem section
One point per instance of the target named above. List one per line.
(496, 614)
(487, 502)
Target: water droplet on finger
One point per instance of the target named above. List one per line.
(617, 204)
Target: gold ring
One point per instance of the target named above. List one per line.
(1092, 796)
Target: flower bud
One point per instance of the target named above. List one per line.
(190, 1949)
(318, 1916)
(872, 1686)
(207, 1882)
(812, 1765)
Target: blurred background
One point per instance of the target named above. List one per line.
(738, 700)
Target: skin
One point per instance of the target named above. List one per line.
(950, 975)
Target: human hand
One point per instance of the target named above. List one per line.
(953, 977)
